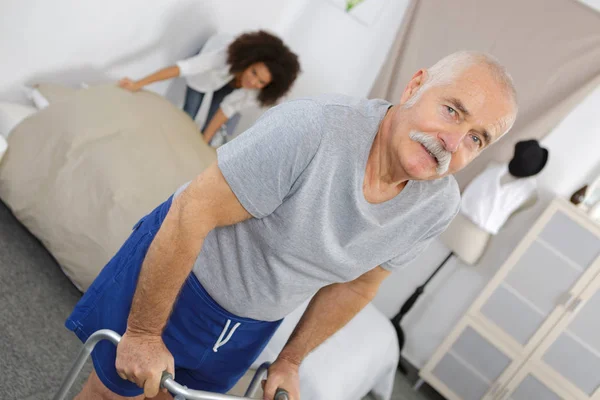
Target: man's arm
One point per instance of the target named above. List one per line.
(329, 310)
(206, 203)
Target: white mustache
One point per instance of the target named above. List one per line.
(434, 146)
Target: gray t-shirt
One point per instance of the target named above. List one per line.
(299, 171)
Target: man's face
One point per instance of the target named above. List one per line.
(450, 124)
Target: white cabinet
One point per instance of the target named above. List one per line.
(535, 328)
(570, 354)
(529, 384)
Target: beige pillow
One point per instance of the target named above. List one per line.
(55, 93)
(11, 115)
(80, 173)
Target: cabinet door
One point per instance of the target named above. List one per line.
(540, 280)
(487, 356)
(570, 354)
(468, 363)
(531, 384)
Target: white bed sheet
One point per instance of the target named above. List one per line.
(360, 358)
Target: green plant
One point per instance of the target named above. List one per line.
(350, 4)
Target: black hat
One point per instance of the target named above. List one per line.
(529, 159)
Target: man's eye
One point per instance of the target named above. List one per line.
(451, 110)
(476, 139)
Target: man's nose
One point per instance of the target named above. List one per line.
(451, 140)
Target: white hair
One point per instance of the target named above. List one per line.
(452, 66)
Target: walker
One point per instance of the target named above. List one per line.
(180, 392)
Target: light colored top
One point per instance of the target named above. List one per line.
(299, 171)
(208, 71)
(488, 203)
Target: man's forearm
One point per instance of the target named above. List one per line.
(167, 265)
(330, 309)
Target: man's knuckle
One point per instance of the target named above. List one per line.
(139, 373)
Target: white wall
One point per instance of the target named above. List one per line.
(574, 149)
(595, 4)
(68, 41)
(338, 53)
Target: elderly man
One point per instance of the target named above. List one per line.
(324, 197)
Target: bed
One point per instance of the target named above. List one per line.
(80, 172)
(360, 358)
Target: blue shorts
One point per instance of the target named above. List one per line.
(212, 348)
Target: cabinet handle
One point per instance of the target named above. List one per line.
(565, 299)
(503, 393)
(573, 306)
(494, 389)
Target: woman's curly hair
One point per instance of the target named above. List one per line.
(260, 46)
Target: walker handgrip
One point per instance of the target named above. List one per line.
(166, 379)
(281, 394)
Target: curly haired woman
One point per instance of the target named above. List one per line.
(230, 74)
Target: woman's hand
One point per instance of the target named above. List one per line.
(130, 85)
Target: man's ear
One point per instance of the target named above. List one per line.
(414, 85)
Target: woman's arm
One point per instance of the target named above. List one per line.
(215, 123)
(162, 75)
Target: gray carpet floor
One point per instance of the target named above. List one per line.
(36, 350)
